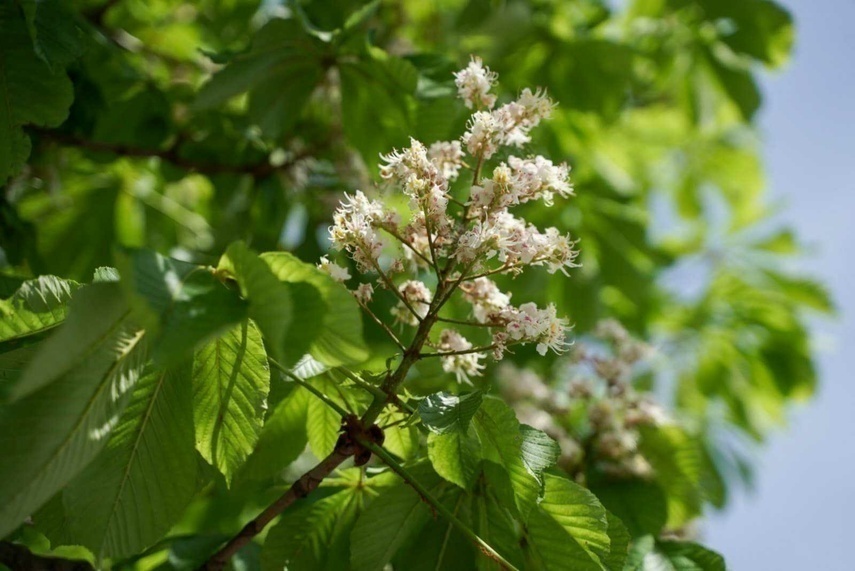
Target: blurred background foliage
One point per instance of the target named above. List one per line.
(184, 126)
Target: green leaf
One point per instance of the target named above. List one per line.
(231, 379)
(38, 306)
(98, 314)
(647, 554)
(687, 556)
(323, 425)
(69, 398)
(445, 412)
(456, 456)
(140, 484)
(338, 316)
(12, 366)
(283, 437)
(568, 530)
(390, 523)
(641, 506)
(539, 450)
(677, 463)
(56, 37)
(313, 536)
(762, 28)
(377, 103)
(182, 304)
(402, 440)
(495, 516)
(270, 301)
(499, 432)
(619, 540)
(280, 72)
(30, 92)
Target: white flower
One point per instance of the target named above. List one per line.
(486, 298)
(354, 230)
(474, 83)
(528, 324)
(516, 119)
(421, 180)
(364, 293)
(447, 156)
(463, 366)
(336, 272)
(539, 178)
(554, 251)
(482, 135)
(418, 296)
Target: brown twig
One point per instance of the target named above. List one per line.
(170, 154)
(304, 485)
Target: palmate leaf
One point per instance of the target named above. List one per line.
(231, 379)
(677, 461)
(31, 93)
(180, 303)
(36, 307)
(68, 401)
(640, 505)
(338, 339)
(271, 305)
(402, 439)
(323, 424)
(568, 530)
(539, 451)
(142, 481)
(619, 540)
(647, 554)
(499, 432)
(12, 366)
(312, 537)
(57, 38)
(494, 516)
(445, 412)
(391, 522)
(456, 456)
(377, 102)
(280, 71)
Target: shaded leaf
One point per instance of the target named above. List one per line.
(75, 389)
(333, 324)
(32, 94)
(140, 484)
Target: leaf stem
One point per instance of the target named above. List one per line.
(309, 387)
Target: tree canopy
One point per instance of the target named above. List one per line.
(181, 364)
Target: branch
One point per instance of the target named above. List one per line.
(464, 352)
(18, 557)
(467, 323)
(304, 485)
(170, 154)
(440, 508)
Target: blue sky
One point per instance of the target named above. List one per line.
(801, 515)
